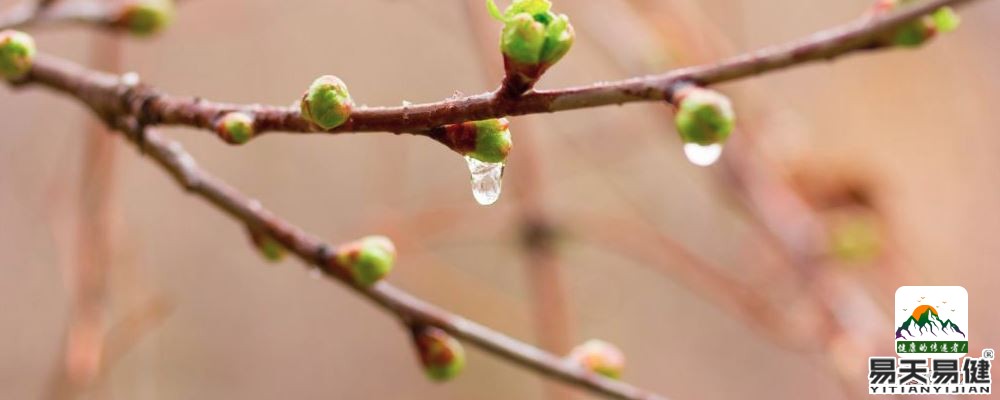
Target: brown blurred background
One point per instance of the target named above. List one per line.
(214, 320)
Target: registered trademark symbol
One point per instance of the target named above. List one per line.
(988, 354)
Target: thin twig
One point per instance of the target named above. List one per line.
(82, 361)
(102, 91)
(410, 309)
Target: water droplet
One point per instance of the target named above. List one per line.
(486, 180)
(406, 110)
(702, 155)
(130, 79)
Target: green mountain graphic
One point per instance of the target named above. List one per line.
(929, 322)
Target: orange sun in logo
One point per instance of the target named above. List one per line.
(921, 309)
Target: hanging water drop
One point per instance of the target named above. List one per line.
(703, 155)
(486, 180)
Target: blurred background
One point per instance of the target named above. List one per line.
(768, 275)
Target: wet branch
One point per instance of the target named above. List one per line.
(105, 93)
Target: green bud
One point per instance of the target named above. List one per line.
(327, 104)
(559, 38)
(600, 357)
(522, 39)
(441, 354)
(533, 37)
(146, 17)
(913, 34)
(493, 141)
(916, 33)
(270, 248)
(488, 140)
(946, 19)
(17, 52)
(367, 260)
(703, 116)
(236, 127)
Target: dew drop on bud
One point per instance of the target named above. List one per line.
(702, 155)
(486, 180)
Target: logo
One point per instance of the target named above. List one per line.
(932, 325)
(932, 321)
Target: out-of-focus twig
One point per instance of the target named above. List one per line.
(126, 332)
(60, 13)
(544, 270)
(93, 254)
(639, 241)
(410, 309)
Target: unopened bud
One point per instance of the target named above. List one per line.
(946, 19)
(917, 32)
(268, 247)
(600, 357)
(441, 355)
(487, 140)
(533, 39)
(327, 104)
(236, 127)
(704, 116)
(146, 17)
(367, 260)
(17, 52)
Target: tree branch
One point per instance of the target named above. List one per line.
(410, 309)
(105, 93)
